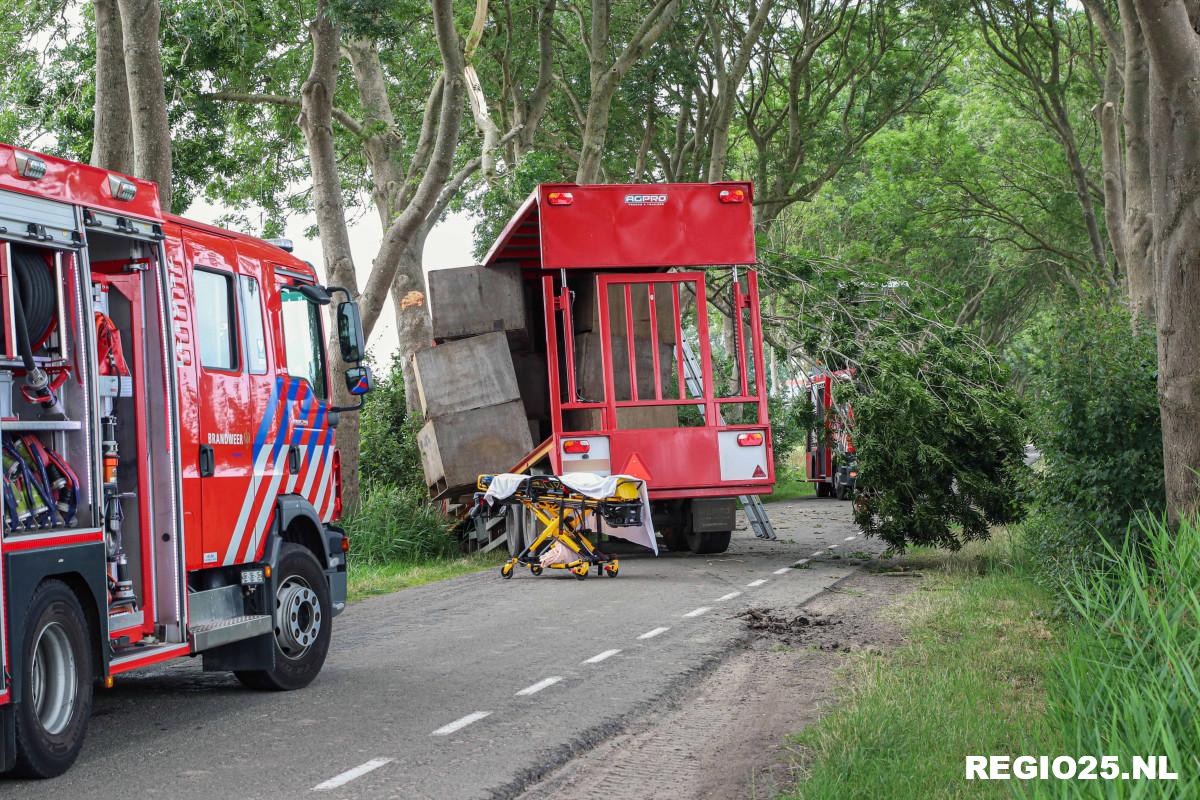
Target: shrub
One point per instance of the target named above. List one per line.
(940, 440)
(389, 455)
(398, 525)
(1096, 422)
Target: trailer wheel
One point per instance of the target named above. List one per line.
(303, 624)
(708, 543)
(56, 685)
(823, 489)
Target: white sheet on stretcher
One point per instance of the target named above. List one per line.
(588, 484)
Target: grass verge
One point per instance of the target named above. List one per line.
(367, 580)
(970, 679)
(398, 540)
(789, 485)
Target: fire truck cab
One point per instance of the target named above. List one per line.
(830, 460)
(171, 482)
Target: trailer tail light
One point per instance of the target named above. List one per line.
(30, 166)
(337, 485)
(560, 198)
(577, 446)
(732, 196)
(750, 439)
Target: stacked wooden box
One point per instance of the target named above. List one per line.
(469, 386)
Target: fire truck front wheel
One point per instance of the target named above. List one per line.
(56, 685)
(303, 623)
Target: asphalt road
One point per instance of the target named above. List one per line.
(468, 688)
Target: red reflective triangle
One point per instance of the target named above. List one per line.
(758, 472)
(635, 467)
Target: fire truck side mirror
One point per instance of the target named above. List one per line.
(350, 334)
(359, 380)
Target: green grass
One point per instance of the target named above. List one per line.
(398, 540)
(789, 485)
(1129, 683)
(970, 679)
(367, 580)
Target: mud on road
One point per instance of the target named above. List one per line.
(727, 737)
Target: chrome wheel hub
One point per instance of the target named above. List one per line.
(298, 617)
(55, 679)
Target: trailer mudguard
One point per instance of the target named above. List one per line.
(75, 565)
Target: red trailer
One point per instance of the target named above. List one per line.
(627, 275)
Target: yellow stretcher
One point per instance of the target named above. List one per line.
(566, 517)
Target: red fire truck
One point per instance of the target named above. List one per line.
(638, 383)
(170, 477)
(830, 458)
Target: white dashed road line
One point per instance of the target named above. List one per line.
(783, 570)
(729, 596)
(814, 555)
(459, 724)
(596, 659)
(758, 582)
(695, 612)
(545, 683)
(849, 538)
(351, 774)
(801, 562)
(653, 633)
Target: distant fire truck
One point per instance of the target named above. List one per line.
(830, 459)
(170, 476)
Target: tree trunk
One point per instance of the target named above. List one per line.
(413, 326)
(112, 128)
(1174, 51)
(1139, 234)
(140, 21)
(316, 123)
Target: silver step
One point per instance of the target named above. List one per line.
(756, 512)
(214, 634)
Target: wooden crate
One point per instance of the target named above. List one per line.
(589, 369)
(464, 374)
(469, 301)
(456, 448)
(585, 310)
(628, 419)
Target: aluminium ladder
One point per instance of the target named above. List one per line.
(756, 513)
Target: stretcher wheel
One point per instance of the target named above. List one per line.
(611, 570)
(536, 569)
(506, 571)
(581, 572)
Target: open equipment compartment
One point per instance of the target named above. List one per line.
(85, 404)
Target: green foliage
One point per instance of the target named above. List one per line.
(791, 420)
(1127, 685)
(940, 440)
(397, 525)
(1096, 423)
(389, 437)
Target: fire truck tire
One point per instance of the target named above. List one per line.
(823, 489)
(708, 543)
(303, 623)
(839, 488)
(56, 686)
